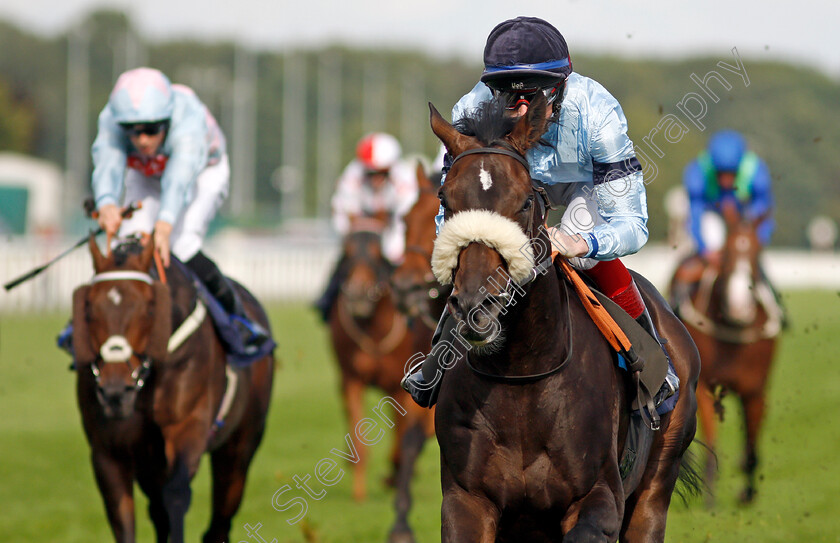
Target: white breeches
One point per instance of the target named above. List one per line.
(713, 230)
(203, 201)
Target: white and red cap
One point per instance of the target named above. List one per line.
(378, 151)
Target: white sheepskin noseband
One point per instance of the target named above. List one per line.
(489, 228)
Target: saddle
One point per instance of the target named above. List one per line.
(641, 356)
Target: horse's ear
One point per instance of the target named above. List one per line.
(99, 261)
(158, 347)
(147, 254)
(455, 142)
(531, 126)
(423, 181)
(82, 342)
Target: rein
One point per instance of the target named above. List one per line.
(533, 378)
(392, 339)
(696, 316)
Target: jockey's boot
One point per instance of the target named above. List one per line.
(423, 379)
(325, 303)
(65, 338)
(672, 382)
(615, 281)
(250, 332)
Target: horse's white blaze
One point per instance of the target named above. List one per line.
(484, 177)
(115, 349)
(114, 296)
(489, 228)
(740, 301)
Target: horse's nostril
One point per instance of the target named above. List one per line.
(455, 307)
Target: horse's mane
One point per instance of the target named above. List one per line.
(487, 123)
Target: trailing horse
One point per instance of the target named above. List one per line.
(372, 341)
(532, 414)
(733, 315)
(155, 393)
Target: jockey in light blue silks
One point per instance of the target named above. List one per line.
(588, 165)
(158, 144)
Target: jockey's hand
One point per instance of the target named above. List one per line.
(110, 218)
(565, 244)
(161, 236)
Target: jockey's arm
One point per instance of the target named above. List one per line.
(346, 202)
(761, 204)
(619, 189)
(694, 183)
(109, 158)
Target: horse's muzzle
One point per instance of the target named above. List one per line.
(117, 399)
(481, 314)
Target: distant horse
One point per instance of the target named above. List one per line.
(155, 393)
(372, 342)
(531, 419)
(734, 319)
(418, 293)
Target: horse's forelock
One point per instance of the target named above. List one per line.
(488, 123)
(488, 228)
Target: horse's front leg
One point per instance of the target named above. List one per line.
(597, 516)
(183, 452)
(466, 516)
(353, 391)
(116, 484)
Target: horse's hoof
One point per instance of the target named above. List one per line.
(747, 496)
(401, 537)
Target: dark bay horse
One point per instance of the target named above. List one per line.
(372, 342)
(532, 415)
(734, 319)
(155, 393)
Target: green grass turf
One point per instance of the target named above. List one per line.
(47, 490)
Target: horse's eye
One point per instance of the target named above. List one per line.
(443, 202)
(528, 203)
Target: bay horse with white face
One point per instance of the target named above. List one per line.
(532, 416)
(155, 393)
(732, 314)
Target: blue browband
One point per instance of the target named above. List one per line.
(550, 65)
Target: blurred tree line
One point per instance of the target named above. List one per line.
(788, 113)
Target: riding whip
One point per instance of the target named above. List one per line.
(30, 274)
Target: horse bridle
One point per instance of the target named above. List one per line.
(375, 293)
(540, 209)
(540, 268)
(141, 372)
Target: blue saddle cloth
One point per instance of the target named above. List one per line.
(240, 352)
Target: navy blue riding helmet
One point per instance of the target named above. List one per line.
(524, 55)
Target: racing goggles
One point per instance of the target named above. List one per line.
(134, 130)
(513, 98)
